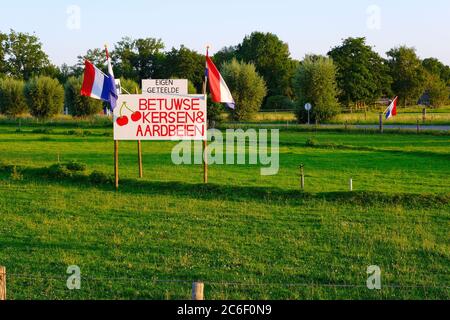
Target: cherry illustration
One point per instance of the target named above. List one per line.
(136, 116)
(122, 121)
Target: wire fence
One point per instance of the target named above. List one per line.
(43, 287)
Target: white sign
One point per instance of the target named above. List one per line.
(165, 86)
(308, 106)
(160, 117)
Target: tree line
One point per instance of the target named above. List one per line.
(259, 71)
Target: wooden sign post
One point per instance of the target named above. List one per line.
(141, 171)
(2, 283)
(116, 164)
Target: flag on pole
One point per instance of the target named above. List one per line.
(113, 93)
(392, 109)
(219, 89)
(98, 85)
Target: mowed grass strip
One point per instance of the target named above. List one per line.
(259, 238)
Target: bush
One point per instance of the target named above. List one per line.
(437, 91)
(311, 142)
(44, 96)
(99, 178)
(315, 82)
(12, 98)
(215, 111)
(76, 166)
(78, 105)
(279, 103)
(59, 171)
(247, 87)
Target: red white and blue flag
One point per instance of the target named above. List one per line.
(219, 89)
(392, 109)
(98, 85)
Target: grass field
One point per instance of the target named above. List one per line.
(246, 236)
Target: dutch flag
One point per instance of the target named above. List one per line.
(219, 89)
(392, 109)
(98, 85)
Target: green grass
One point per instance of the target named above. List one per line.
(246, 236)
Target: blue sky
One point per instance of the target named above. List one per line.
(312, 26)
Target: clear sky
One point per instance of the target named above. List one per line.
(312, 26)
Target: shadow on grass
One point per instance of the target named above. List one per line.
(331, 146)
(222, 192)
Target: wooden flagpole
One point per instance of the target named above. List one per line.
(205, 142)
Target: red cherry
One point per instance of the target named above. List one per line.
(136, 116)
(122, 121)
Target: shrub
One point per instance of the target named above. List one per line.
(437, 91)
(44, 96)
(78, 105)
(315, 82)
(279, 103)
(215, 111)
(99, 178)
(16, 175)
(12, 98)
(59, 171)
(311, 142)
(247, 87)
(76, 166)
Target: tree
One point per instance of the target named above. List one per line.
(437, 90)
(77, 104)
(315, 83)
(362, 75)
(185, 64)
(226, 54)
(434, 66)
(3, 51)
(12, 99)
(44, 96)
(272, 60)
(25, 56)
(408, 74)
(247, 87)
(138, 59)
(96, 56)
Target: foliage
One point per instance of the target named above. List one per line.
(408, 74)
(279, 103)
(226, 54)
(272, 60)
(99, 178)
(247, 87)
(436, 67)
(315, 83)
(437, 91)
(12, 98)
(138, 59)
(21, 55)
(185, 64)
(44, 96)
(78, 105)
(129, 85)
(362, 75)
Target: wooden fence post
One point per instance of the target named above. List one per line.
(424, 115)
(381, 122)
(141, 172)
(197, 291)
(2, 283)
(302, 176)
